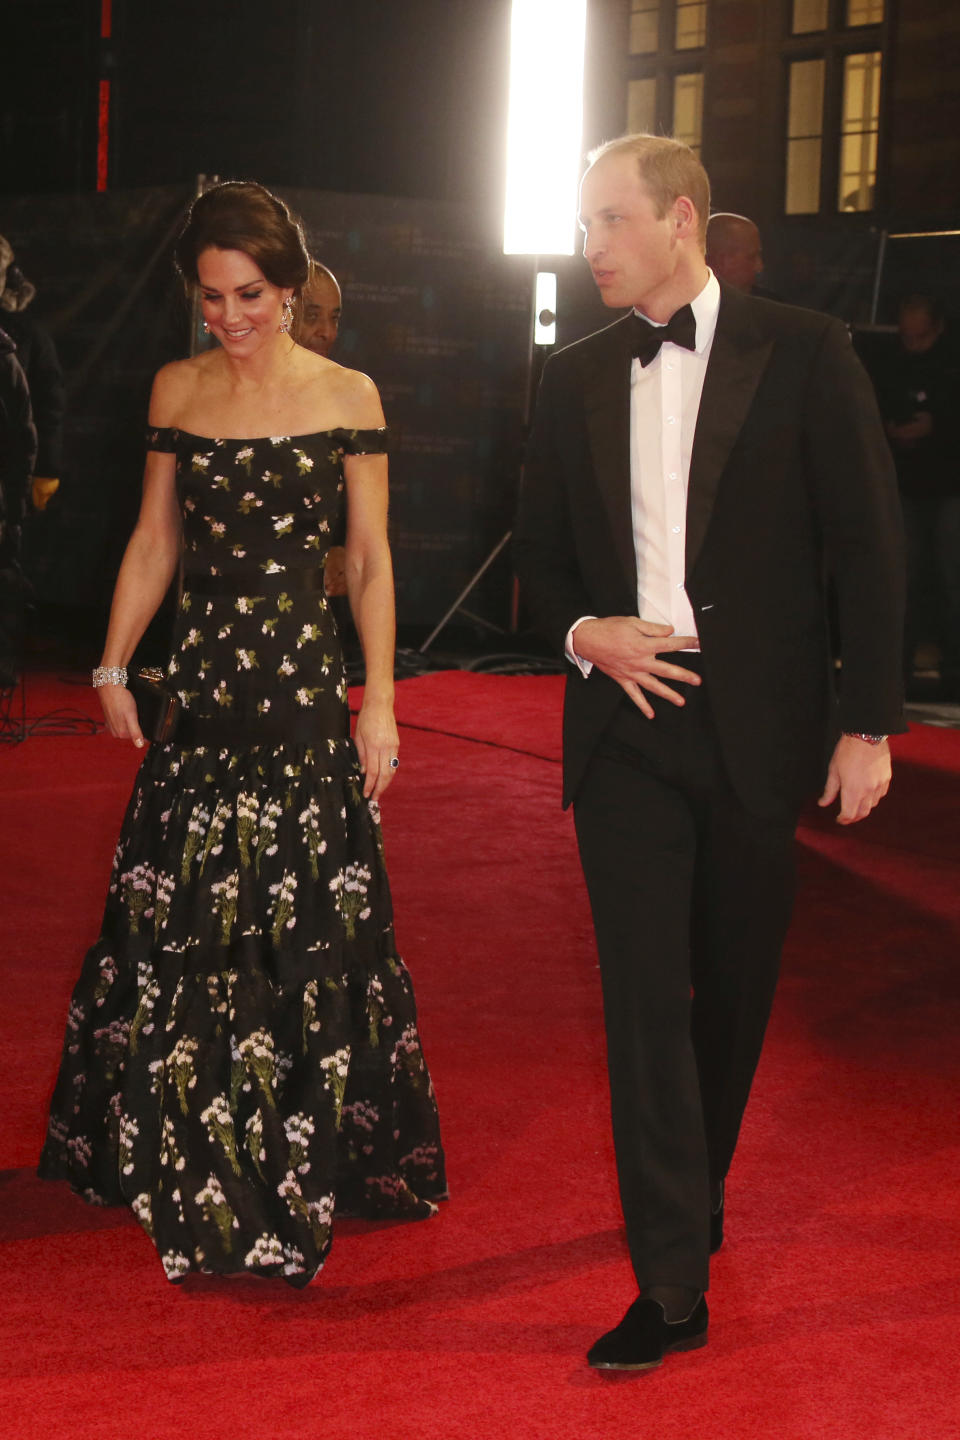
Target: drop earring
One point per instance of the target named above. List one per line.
(287, 317)
(205, 328)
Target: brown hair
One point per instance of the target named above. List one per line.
(668, 169)
(242, 215)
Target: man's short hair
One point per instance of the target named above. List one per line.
(668, 169)
(319, 271)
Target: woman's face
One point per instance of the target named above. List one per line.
(241, 307)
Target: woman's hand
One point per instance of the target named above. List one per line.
(120, 713)
(377, 744)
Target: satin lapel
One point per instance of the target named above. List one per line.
(737, 361)
(607, 410)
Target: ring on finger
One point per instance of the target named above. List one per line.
(394, 762)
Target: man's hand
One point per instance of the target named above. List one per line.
(860, 774)
(335, 571)
(629, 650)
(910, 431)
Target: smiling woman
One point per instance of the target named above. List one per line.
(242, 1053)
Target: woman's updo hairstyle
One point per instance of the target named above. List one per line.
(242, 215)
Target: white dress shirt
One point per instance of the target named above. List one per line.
(664, 404)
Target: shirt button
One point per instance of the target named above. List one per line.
(671, 419)
(680, 585)
(676, 529)
(673, 475)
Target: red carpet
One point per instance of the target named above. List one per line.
(834, 1307)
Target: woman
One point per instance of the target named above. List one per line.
(242, 1055)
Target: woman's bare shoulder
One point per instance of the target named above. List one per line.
(344, 397)
(174, 383)
(358, 397)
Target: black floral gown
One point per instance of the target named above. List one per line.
(242, 1057)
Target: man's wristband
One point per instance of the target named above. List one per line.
(867, 739)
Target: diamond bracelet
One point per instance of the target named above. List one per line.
(109, 675)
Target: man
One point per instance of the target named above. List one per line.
(321, 310)
(735, 254)
(18, 449)
(678, 515)
(919, 393)
(38, 356)
(18, 452)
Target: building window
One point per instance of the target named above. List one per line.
(644, 27)
(642, 106)
(833, 65)
(860, 125)
(688, 110)
(807, 16)
(864, 12)
(804, 137)
(690, 32)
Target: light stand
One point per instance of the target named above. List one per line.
(543, 156)
(543, 334)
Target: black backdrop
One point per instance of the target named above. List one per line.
(432, 311)
(436, 316)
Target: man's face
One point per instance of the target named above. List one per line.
(742, 262)
(631, 251)
(321, 315)
(919, 332)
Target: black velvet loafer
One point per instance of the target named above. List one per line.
(645, 1335)
(716, 1225)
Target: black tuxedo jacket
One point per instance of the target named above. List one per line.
(791, 482)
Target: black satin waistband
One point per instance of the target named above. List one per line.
(254, 582)
(243, 731)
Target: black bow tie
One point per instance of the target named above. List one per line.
(646, 339)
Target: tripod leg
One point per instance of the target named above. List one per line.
(474, 579)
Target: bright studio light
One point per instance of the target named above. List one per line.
(544, 128)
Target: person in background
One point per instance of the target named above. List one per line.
(695, 472)
(918, 389)
(18, 447)
(735, 253)
(317, 326)
(18, 451)
(38, 356)
(320, 310)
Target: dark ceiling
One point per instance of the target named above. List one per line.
(398, 97)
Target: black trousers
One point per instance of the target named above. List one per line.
(691, 899)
